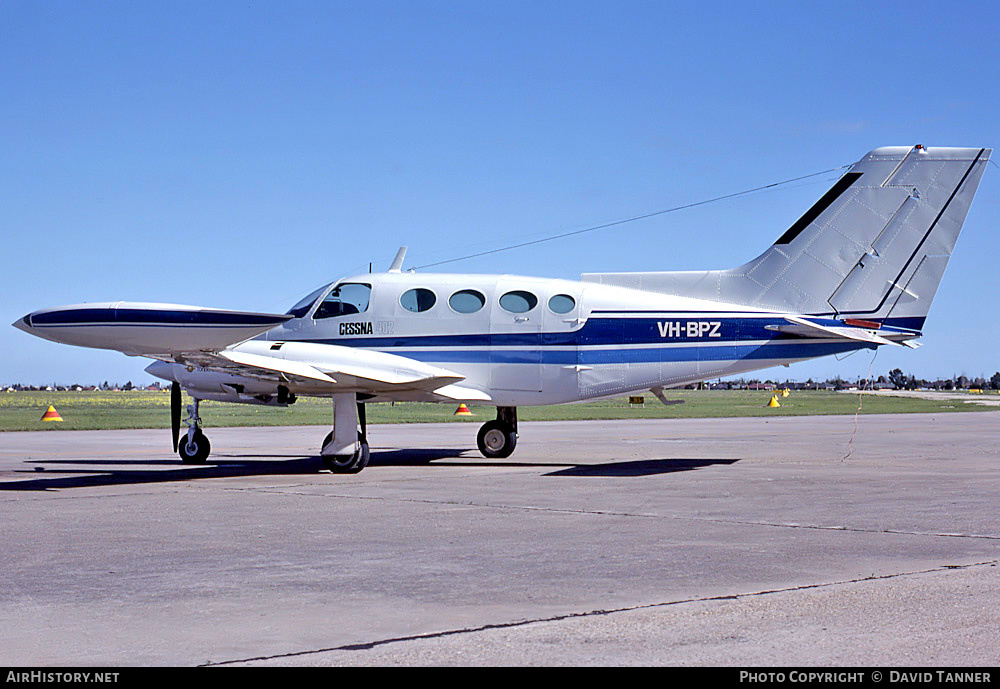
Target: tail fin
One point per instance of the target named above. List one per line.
(875, 246)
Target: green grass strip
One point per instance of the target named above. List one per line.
(22, 411)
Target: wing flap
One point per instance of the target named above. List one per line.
(460, 393)
(275, 365)
(394, 376)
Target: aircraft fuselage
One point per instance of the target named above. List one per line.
(533, 340)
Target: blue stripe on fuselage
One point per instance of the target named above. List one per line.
(594, 357)
(912, 324)
(626, 333)
(596, 331)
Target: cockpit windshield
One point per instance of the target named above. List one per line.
(345, 299)
(302, 306)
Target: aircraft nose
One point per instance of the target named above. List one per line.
(23, 323)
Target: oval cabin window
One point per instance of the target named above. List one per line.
(562, 303)
(417, 300)
(467, 301)
(518, 301)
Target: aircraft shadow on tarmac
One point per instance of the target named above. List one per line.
(114, 473)
(644, 467)
(641, 467)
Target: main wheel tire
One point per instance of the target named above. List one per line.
(346, 464)
(196, 450)
(496, 440)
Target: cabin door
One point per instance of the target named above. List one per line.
(516, 336)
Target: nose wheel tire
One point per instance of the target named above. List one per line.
(194, 450)
(347, 464)
(496, 439)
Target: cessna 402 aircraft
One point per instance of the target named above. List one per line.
(858, 270)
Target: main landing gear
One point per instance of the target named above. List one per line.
(345, 448)
(497, 439)
(193, 446)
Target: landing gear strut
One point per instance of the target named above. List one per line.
(345, 448)
(497, 439)
(193, 447)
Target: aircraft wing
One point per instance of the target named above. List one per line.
(219, 340)
(326, 368)
(158, 331)
(257, 364)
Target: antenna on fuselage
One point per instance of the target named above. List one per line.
(397, 263)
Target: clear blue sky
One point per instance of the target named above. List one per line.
(239, 154)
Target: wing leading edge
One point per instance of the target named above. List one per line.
(144, 329)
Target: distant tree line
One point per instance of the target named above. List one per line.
(895, 380)
(902, 381)
(77, 387)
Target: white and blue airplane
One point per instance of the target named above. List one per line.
(858, 270)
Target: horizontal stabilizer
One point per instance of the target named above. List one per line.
(807, 328)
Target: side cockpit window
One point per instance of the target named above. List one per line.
(345, 299)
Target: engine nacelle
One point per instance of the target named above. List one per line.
(223, 387)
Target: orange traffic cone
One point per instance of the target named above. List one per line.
(51, 415)
(462, 411)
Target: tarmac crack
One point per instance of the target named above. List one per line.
(638, 515)
(849, 529)
(368, 645)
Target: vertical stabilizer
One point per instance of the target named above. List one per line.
(875, 246)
